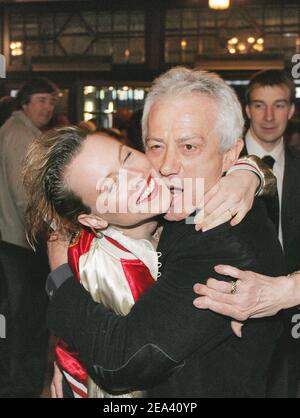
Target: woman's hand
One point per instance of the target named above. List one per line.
(57, 246)
(56, 384)
(230, 199)
(256, 295)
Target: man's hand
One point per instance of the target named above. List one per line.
(230, 199)
(256, 295)
(57, 250)
(56, 384)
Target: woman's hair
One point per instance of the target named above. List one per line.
(51, 202)
(179, 82)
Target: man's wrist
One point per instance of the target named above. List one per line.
(288, 287)
(294, 293)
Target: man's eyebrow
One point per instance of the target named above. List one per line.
(282, 101)
(188, 138)
(178, 140)
(149, 138)
(276, 101)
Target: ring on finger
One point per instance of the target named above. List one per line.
(233, 287)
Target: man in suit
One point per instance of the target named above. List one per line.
(270, 105)
(191, 125)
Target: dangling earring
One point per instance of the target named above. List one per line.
(98, 234)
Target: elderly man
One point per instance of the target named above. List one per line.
(192, 124)
(23, 353)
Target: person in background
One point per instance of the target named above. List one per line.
(270, 105)
(23, 352)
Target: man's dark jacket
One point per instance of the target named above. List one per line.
(290, 209)
(165, 345)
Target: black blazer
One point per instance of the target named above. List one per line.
(290, 209)
(165, 345)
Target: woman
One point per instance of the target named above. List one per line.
(77, 183)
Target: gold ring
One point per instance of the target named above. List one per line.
(233, 287)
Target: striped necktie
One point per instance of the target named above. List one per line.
(272, 202)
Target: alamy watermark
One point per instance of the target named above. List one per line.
(2, 66)
(296, 327)
(2, 326)
(296, 67)
(123, 193)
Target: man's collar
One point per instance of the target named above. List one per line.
(254, 148)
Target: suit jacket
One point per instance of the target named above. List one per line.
(165, 345)
(290, 209)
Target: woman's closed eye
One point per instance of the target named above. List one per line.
(127, 156)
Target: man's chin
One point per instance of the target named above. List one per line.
(172, 216)
(176, 212)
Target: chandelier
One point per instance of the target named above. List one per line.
(251, 44)
(219, 4)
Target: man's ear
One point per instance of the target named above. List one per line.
(291, 111)
(231, 156)
(248, 113)
(92, 221)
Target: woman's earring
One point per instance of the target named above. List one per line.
(98, 234)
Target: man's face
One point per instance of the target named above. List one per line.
(269, 111)
(182, 144)
(40, 109)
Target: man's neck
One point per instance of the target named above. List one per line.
(267, 146)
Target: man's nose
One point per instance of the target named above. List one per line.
(269, 113)
(170, 164)
(49, 106)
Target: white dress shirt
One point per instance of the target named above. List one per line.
(254, 148)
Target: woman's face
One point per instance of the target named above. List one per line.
(117, 182)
